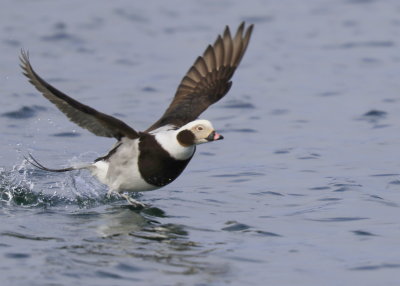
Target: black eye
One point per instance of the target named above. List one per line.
(199, 128)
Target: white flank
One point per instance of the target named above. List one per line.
(100, 169)
(121, 172)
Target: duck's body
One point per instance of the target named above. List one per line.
(147, 163)
(144, 161)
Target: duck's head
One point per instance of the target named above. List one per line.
(197, 132)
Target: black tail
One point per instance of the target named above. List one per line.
(35, 163)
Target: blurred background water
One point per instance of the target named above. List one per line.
(305, 188)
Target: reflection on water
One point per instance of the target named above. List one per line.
(123, 220)
(114, 231)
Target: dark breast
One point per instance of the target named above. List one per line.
(156, 166)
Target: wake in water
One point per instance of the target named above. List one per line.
(25, 185)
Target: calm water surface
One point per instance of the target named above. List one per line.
(305, 188)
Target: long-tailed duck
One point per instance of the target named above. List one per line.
(148, 160)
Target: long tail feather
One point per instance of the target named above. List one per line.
(38, 165)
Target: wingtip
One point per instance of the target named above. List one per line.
(24, 62)
(241, 26)
(240, 30)
(227, 32)
(24, 55)
(249, 30)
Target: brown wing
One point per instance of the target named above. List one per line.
(86, 117)
(208, 80)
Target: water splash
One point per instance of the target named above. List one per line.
(25, 186)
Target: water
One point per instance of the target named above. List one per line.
(305, 188)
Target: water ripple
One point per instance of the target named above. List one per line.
(368, 44)
(363, 233)
(239, 104)
(29, 237)
(24, 112)
(377, 266)
(234, 226)
(340, 219)
(66, 134)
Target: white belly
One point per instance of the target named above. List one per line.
(121, 171)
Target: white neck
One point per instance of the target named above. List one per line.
(168, 141)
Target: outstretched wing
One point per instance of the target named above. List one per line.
(86, 117)
(208, 80)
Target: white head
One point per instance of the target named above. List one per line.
(197, 132)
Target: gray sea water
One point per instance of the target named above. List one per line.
(304, 190)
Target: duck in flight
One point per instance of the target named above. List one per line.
(148, 160)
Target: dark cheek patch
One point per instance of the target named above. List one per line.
(186, 137)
